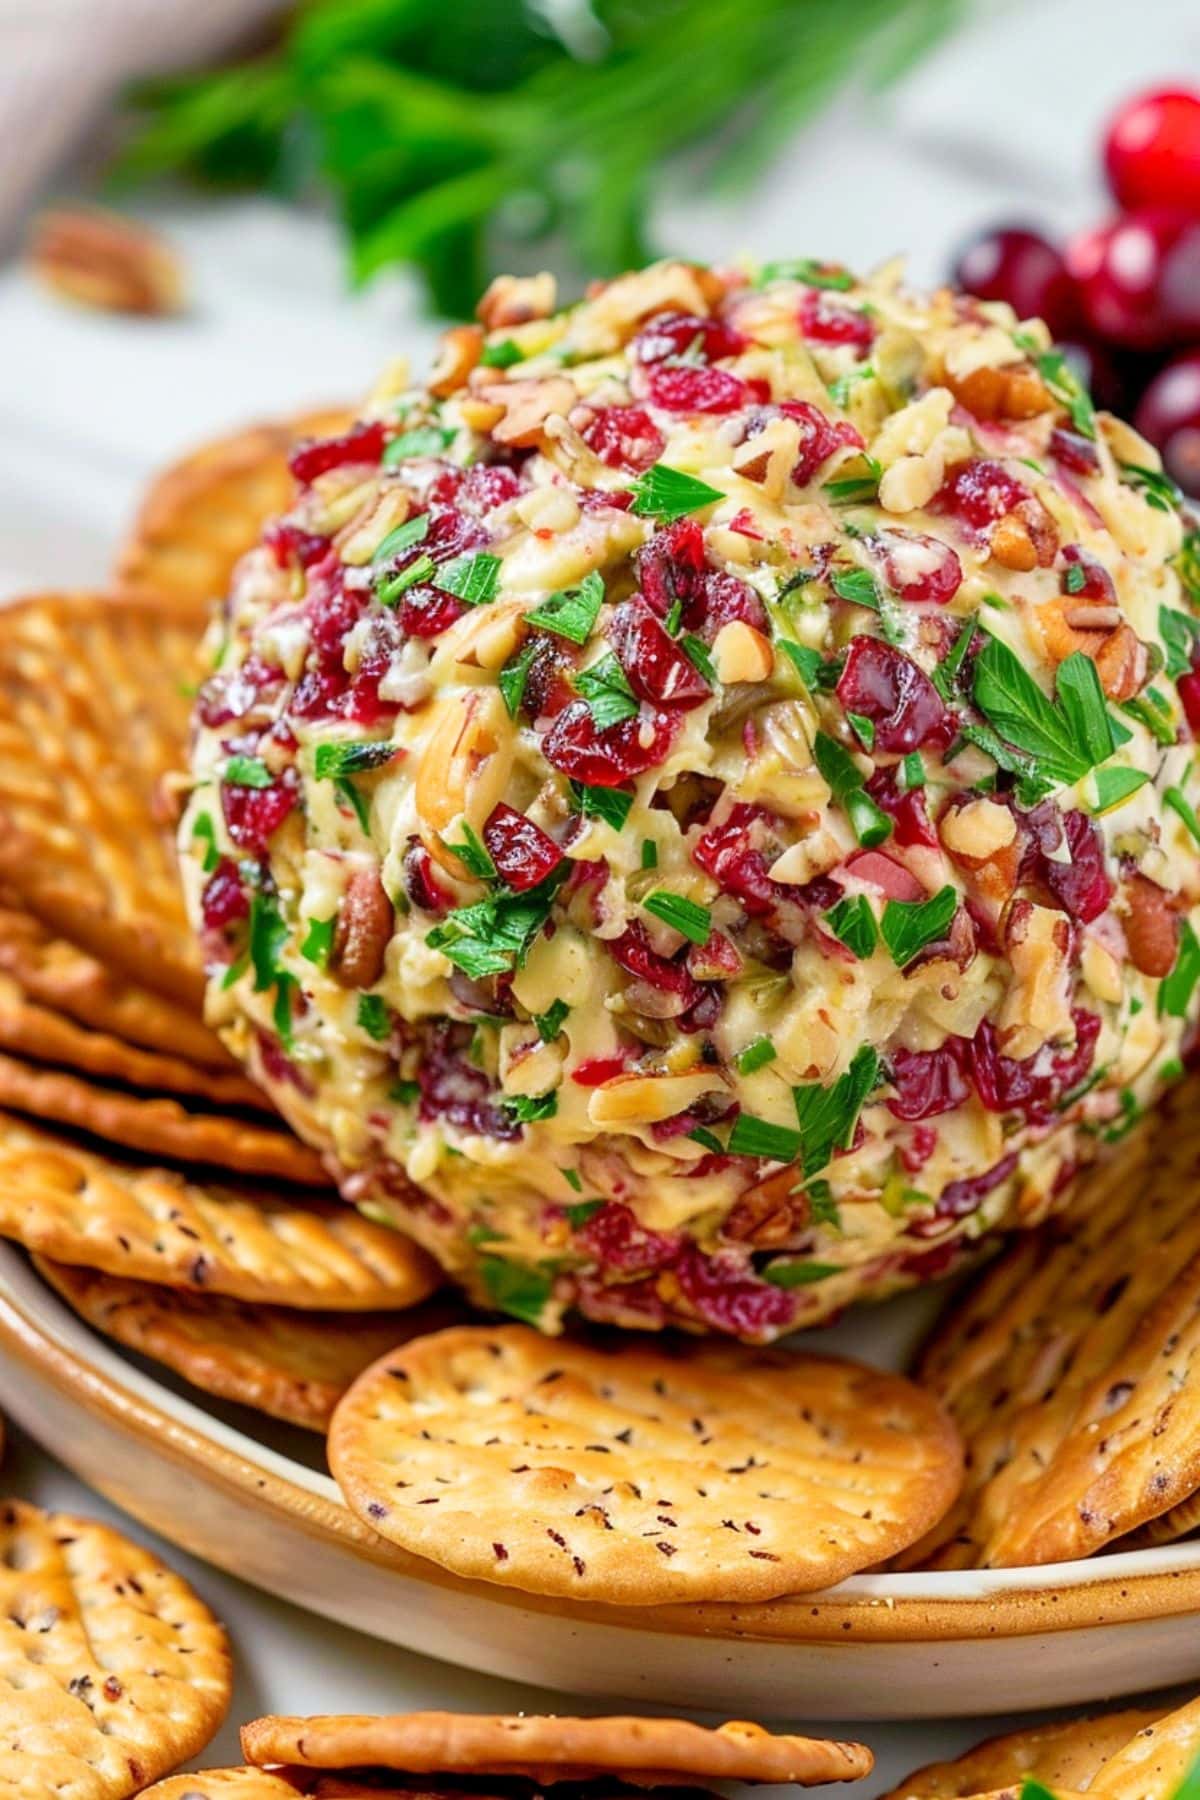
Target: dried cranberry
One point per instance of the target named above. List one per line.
(928, 1082)
(675, 334)
(318, 693)
(888, 688)
(825, 320)
(615, 1239)
(224, 900)
(670, 565)
(1189, 693)
(723, 598)
(625, 437)
(254, 815)
(609, 757)
(730, 1297)
(278, 1067)
(421, 883)
(633, 952)
(1081, 886)
(905, 807)
(521, 850)
(819, 438)
(733, 854)
(289, 543)
(1074, 452)
(425, 612)
(688, 389)
(488, 485)
(547, 681)
(454, 1090)
(980, 492)
(332, 612)
(1032, 1085)
(960, 1198)
(1093, 583)
(381, 644)
(657, 668)
(232, 693)
(916, 567)
(594, 1071)
(876, 869)
(361, 444)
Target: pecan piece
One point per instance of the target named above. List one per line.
(769, 1214)
(100, 259)
(458, 353)
(1151, 925)
(1013, 392)
(517, 299)
(363, 932)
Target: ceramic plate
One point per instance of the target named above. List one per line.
(256, 1502)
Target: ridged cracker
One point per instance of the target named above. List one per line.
(158, 1127)
(93, 717)
(205, 511)
(637, 1476)
(29, 1029)
(292, 1365)
(650, 1752)
(1154, 1762)
(1064, 1755)
(1020, 1361)
(76, 1205)
(112, 1671)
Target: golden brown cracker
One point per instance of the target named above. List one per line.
(93, 718)
(112, 1671)
(652, 1752)
(1155, 1762)
(636, 1476)
(225, 1784)
(1065, 1755)
(204, 512)
(295, 1366)
(76, 1205)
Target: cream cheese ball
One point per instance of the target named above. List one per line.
(693, 808)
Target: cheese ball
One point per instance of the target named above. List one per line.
(693, 808)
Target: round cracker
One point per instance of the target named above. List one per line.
(224, 1784)
(636, 1476)
(78, 1206)
(1065, 1755)
(1156, 1761)
(112, 1671)
(205, 511)
(546, 1749)
(291, 1365)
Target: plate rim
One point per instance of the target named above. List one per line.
(916, 1606)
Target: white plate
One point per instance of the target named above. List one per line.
(877, 1646)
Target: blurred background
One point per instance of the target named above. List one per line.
(323, 182)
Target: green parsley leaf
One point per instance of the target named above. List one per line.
(473, 854)
(1114, 787)
(674, 618)
(853, 923)
(856, 490)
(334, 760)
(856, 585)
(666, 494)
(605, 687)
(841, 389)
(823, 1206)
(864, 729)
(610, 804)
(1179, 633)
(390, 589)
(944, 675)
(1156, 489)
(649, 854)
(581, 1212)
(550, 1023)
(405, 1093)
(493, 936)
(1067, 736)
(791, 1272)
(513, 676)
(281, 1011)
(574, 1181)
(707, 1139)
(1188, 564)
(829, 1115)
(1174, 798)
(247, 772)
(502, 355)
(908, 926)
(318, 941)
(812, 274)
(572, 612)
(1175, 993)
(808, 664)
(1075, 579)
(357, 803)
(1068, 390)
(472, 579)
(516, 1289)
(755, 1056)
(205, 832)
(696, 651)
(1153, 710)
(268, 933)
(372, 1017)
(1097, 734)
(759, 1137)
(871, 824)
(526, 1108)
(422, 440)
(403, 537)
(1032, 1789)
(682, 914)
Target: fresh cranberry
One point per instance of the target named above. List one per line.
(615, 1239)
(254, 815)
(288, 543)
(522, 852)
(1169, 415)
(824, 320)
(454, 1090)
(1020, 266)
(1152, 150)
(224, 900)
(657, 668)
(906, 808)
(928, 1082)
(725, 1293)
(958, 1199)
(332, 612)
(980, 492)
(819, 437)
(625, 437)
(1076, 453)
(687, 389)
(231, 694)
(1081, 886)
(421, 883)
(1033, 1085)
(361, 444)
(1139, 278)
(917, 568)
(1093, 582)
(633, 952)
(607, 758)
(888, 688)
(675, 334)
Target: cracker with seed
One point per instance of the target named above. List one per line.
(76, 1205)
(1018, 1360)
(1061, 1756)
(650, 1752)
(1156, 1760)
(205, 511)
(225, 1784)
(158, 1127)
(93, 719)
(112, 1671)
(294, 1366)
(30, 1030)
(638, 1476)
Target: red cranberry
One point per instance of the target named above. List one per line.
(615, 1239)
(632, 950)
(279, 1067)
(671, 564)
(547, 683)
(594, 1071)
(1152, 150)
(688, 389)
(723, 599)
(1081, 886)
(1093, 582)
(425, 612)
(958, 1199)
(928, 1082)
(332, 612)
(361, 444)
(1076, 453)
(609, 757)
(1169, 415)
(1023, 268)
(734, 854)
(819, 437)
(486, 486)
(421, 883)
(231, 694)
(522, 852)
(657, 668)
(675, 334)
(288, 543)
(453, 1089)
(980, 492)
(318, 693)
(1139, 278)
(916, 567)
(728, 1296)
(224, 900)
(1189, 694)
(825, 320)
(888, 688)
(1031, 1086)
(625, 437)
(254, 815)
(906, 808)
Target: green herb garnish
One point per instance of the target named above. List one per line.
(403, 537)
(205, 832)
(516, 1289)
(696, 651)
(812, 274)
(526, 1108)
(318, 941)
(693, 921)
(759, 1137)
(1114, 786)
(856, 585)
(513, 676)
(829, 1115)
(666, 494)
(268, 933)
(605, 687)
(422, 440)
(1179, 633)
(1067, 736)
(493, 936)
(610, 804)
(852, 922)
(550, 1023)
(1175, 993)
(472, 579)
(473, 854)
(755, 1056)
(571, 613)
(356, 802)
(390, 588)
(372, 1017)
(334, 760)
(1175, 798)
(248, 772)
(502, 355)
(870, 823)
(910, 926)
(792, 1272)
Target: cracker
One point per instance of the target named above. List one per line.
(112, 1672)
(1155, 1762)
(204, 512)
(1019, 1360)
(76, 1205)
(650, 1752)
(637, 1476)
(93, 717)
(224, 1784)
(47, 1037)
(1064, 1755)
(158, 1127)
(294, 1366)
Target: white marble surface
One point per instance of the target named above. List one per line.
(1002, 122)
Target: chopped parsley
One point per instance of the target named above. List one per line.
(1154, 711)
(910, 926)
(649, 854)
(812, 274)
(403, 537)
(708, 1140)
(856, 490)
(696, 651)
(526, 1108)
(1175, 993)
(493, 936)
(205, 831)
(610, 804)
(1156, 489)
(248, 772)
(792, 1272)
(864, 729)
(405, 1093)
(1075, 579)
(334, 760)
(870, 823)
(605, 687)
(759, 1137)
(550, 1023)
(513, 676)
(356, 803)
(318, 941)
(1174, 798)
(421, 440)
(1179, 633)
(516, 1289)
(1114, 787)
(856, 585)
(1067, 736)
(852, 922)
(581, 1211)
(911, 773)
(392, 587)
(1068, 390)
(829, 1115)
(473, 854)
(810, 665)
(502, 355)
(472, 579)
(664, 493)
(572, 612)
(945, 674)
(268, 934)
(683, 915)
(372, 1017)
(755, 1056)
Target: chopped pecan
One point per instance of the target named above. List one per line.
(458, 353)
(526, 405)
(769, 1214)
(1122, 660)
(1151, 925)
(1026, 538)
(517, 299)
(364, 929)
(100, 259)
(1013, 392)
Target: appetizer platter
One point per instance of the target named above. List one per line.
(528, 897)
